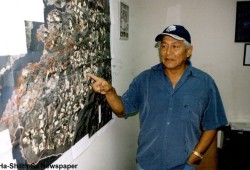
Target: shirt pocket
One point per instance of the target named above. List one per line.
(191, 109)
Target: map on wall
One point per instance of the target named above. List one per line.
(46, 101)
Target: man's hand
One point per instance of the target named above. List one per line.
(100, 85)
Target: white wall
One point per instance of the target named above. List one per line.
(212, 25)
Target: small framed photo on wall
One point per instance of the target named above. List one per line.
(124, 21)
(246, 61)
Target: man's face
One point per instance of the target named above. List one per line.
(174, 53)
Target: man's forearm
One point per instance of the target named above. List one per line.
(205, 141)
(115, 102)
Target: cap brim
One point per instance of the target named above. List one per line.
(160, 36)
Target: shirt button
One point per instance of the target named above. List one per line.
(168, 123)
(170, 108)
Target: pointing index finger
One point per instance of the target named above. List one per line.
(93, 76)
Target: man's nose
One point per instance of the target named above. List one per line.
(169, 51)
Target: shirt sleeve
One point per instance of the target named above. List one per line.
(130, 98)
(214, 115)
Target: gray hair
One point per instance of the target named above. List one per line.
(187, 44)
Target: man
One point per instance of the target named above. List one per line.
(180, 106)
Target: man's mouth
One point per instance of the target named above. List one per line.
(170, 59)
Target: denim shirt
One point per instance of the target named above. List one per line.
(172, 119)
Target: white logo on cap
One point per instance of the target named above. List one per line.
(171, 28)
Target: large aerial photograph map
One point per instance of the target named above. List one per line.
(46, 101)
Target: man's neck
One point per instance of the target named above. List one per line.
(175, 74)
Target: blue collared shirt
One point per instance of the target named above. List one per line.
(172, 119)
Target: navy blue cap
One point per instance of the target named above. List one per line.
(177, 32)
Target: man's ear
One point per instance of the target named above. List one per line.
(189, 52)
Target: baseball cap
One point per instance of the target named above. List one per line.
(176, 31)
